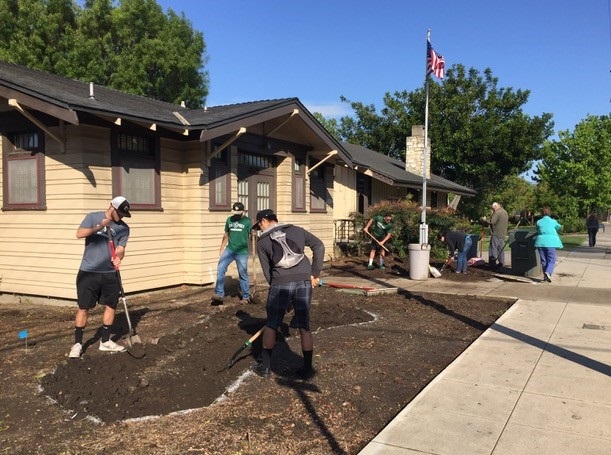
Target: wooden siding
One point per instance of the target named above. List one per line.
(344, 188)
(381, 191)
(345, 195)
(40, 254)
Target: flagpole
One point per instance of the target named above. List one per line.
(424, 229)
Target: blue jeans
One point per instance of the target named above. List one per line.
(241, 260)
(548, 259)
(461, 262)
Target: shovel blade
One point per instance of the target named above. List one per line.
(436, 273)
(135, 348)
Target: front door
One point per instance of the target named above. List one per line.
(256, 176)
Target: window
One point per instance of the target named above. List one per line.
(299, 184)
(136, 170)
(220, 181)
(318, 189)
(254, 162)
(24, 171)
(434, 201)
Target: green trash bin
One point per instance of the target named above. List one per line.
(472, 253)
(524, 256)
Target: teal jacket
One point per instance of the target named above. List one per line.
(547, 233)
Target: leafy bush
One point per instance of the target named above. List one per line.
(573, 224)
(406, 226)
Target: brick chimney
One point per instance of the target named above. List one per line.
(414, 147)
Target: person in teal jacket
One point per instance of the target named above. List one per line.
(547, 241)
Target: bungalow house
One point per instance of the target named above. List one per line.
(69, 147)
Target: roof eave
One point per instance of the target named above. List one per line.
(61, 111)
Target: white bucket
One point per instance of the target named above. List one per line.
(419, 256)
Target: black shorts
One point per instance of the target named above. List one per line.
(95, 287)
(299, 295)
(375, 245)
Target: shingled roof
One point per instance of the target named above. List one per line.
(73, 95)
(65, 98)
(392, 171)
(70, 96)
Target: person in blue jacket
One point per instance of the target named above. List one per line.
(547, 241)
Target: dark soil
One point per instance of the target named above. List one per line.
(373, 354)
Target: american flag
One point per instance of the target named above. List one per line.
(434, 61)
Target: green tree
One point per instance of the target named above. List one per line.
(133, 47)
(36, 33)
(515, 194)
(330, 124)
(478, 132)
(576, 168)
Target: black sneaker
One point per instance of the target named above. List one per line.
(548, 277)
(216, 300)
(305, 374)
(260, 370)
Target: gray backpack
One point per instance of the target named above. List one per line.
(286, 257)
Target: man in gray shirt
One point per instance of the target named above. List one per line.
(97, 280)
(291, 277)
(498, 231)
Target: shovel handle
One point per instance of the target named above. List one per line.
(247, 344)
(255, 336)
(377, 241)
(113, 255)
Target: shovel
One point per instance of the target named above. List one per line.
(437, 273)
(134, 344)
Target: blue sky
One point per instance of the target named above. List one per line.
(319, 50)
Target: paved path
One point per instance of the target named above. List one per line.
(538, 381)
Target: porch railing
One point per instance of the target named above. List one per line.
(345, 231)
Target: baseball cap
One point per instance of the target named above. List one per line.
(122, 206)
(267, 214)
(237, 208)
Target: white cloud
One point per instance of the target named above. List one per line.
(332, 110)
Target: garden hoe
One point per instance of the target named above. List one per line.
(247, 344)
(134, 344)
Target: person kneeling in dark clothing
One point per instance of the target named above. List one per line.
(457, 241)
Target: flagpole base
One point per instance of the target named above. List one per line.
(424, 234)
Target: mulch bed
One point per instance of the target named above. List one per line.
(373, 354)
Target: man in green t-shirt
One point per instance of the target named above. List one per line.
(381, 230)
(234, 247)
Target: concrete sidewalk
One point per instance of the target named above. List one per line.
(538, 381)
